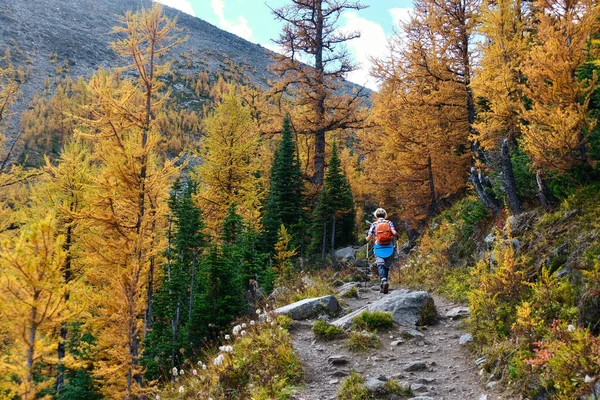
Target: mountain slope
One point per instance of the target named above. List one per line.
(48, 32)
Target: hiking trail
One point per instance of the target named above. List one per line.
(438, 366)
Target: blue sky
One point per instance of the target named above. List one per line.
(253, 20)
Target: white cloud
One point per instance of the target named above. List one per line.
(181, 5)
(239, 28)
(372, 43)
(400, 15)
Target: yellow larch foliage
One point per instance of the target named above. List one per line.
(499, 79)
(230, 161)
(558, 121)
(32, 299)
(126, 218)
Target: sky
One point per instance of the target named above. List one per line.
(253, 20)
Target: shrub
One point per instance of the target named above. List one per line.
(373, 321)
(363, 341)
(325, 331)
(284, 321)
(566, 359)
(259, 362)
(353, 388)
(352, 292)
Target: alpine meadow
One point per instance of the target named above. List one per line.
(185, 214)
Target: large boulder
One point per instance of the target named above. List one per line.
(408, 308)
(309, 308)
(346, 254)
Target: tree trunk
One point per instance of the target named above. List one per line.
(433, 208)
(332, 243)
(510, 185)
(324, 239)
(29, 382)
(61, 351)
(546, 198)
(489, 201)
(319, 160)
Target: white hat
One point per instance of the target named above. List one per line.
(380, 211)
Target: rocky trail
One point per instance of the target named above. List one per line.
(429, 359)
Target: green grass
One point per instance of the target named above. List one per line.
(324, 331)
(363, 341)
(373, 321)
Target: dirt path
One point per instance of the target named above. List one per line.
(449, 371)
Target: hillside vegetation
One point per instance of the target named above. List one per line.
(153, 202)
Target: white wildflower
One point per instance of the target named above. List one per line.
(194, 372)
(204, 367)
(181, 390)
(218, 361)
(267, 306)
(243, 333)
(174, 371)
(258, 311)
(181, 372)
(227, 337)
(200, 362)
(588, 379)
(244, 326)
(221, 348)
(252, 322)
(268, 319)
(236, 329)
(570, 328)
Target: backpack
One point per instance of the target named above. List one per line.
(383, 232)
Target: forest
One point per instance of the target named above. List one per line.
(136, 231)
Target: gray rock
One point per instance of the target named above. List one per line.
(345, 254)
(374, 385)
(425, 381)
(346, 287)
(337, 359)
(408, 308)
(421, 398)
(458, 312)
(416, 366)
(562, 272)
(308, 308)
(490, 240)
(411, 334)
(396, 343)
(278, 292)
(520, 223)
(466, 338)
(334, 381)
(308, 282)
(418, 388)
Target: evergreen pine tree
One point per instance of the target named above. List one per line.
(181, 290)
(333, 218)
(284, 204)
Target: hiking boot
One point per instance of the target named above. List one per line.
(385, 287)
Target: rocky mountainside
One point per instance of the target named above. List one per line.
(48, 32)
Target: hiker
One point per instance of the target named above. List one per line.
(384, 232)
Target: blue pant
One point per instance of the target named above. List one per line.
(383, 265)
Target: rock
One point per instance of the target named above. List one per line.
(561, 273)
(411, 334)
(416, 366)
(340, 373)
(337, 359)
(520, 223)
(458, 312)
(408, 308)
(308, 282)
(490, 385)
(418, 387)
(480, 360)
(374, 385)
(345, 254)
(490, 240)
(334, 381)
(466, 338)
(425, 381)
(396, 343)
(516, 244)
(308, 308)
(346, 287)
(278, 292)
(421, 398)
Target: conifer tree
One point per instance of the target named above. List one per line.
(334, 216)
(284, 203)
(129, 204)
(180, 286)
(33, 299)
(558, 122)
(310, 31)
(227, 174)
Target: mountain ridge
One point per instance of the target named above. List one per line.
(48, 32)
